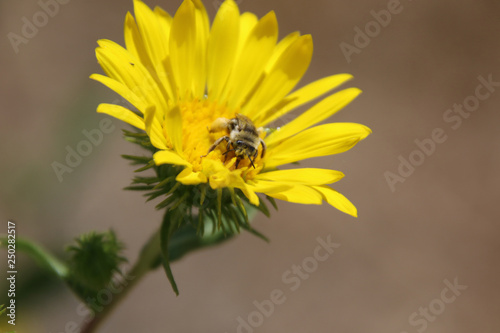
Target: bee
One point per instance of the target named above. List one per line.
(243, 138)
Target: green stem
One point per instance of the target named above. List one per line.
(43, 257)
(147, 261)
(184, 240)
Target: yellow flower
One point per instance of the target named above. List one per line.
(180, 74)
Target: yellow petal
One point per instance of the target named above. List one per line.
(182, 47)
(169, 157)
(318, 141)
(220, 179)
(299, 194)
(154, 129)
(250, 64)
(136, 46)
(219, 176)
(122, 66)
(187, 50)
(202, 34)
(222, 47)
(262, 186)
(122, 90)
(188, 177)
(173, 128)
(248, 21)
(165, 70)
(337, 200)
(283, 76)
(134, 42)
(250, 194)
(305, 176)
(165, 21)
(280, 48)
(302, 96)
(314, 115)
(153, 36)
(268, 187)
(203, 21)
(122, 113)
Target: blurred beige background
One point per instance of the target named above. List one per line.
(440, 224)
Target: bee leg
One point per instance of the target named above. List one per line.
(216, 143)
(263, 148)
(237, 162)
(251, 161)
(254, 155)
(227, 151)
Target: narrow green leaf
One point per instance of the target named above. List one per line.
(166, 232)
(154, 195)
(213, 218)
(242, 209)
(148, 166)
(145, 180)
(175, 187)
(263, 208)
(137, 159)
(180, 201)
(255, 232)
(203, 194)
(166, 202)
(235, 219)
(272, 201)
(139, 188)
(164, 182)
(135, 135)
(201, 226)
(219, 207)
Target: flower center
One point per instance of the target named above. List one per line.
(197, 118)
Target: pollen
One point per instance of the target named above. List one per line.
(197, 118)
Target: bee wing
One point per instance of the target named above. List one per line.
(244, 120)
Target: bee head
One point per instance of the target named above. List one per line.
(243, 149)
